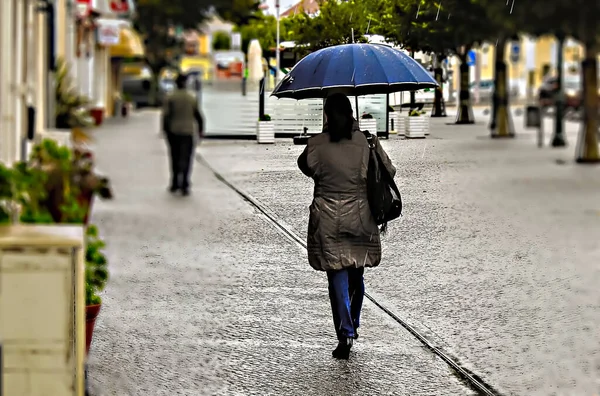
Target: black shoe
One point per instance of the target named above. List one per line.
(173, 189)
(342, 351)
(356, 334)
(185, 192)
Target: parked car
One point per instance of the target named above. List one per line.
(138, 85)
(486, 90)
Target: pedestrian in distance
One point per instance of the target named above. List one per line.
(343, 237)
(182, 124)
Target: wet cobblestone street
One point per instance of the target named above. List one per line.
(496, 258)
(207, 298)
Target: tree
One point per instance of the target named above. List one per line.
(507, 27)
(264, 29)
(154, 20)
(221, 41)
(337, 23)
(443, 28)
(239, 12)
(578, 19)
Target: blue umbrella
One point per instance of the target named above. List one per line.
(354, 69)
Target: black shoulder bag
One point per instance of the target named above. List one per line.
(384, 197)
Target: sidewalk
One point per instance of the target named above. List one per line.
(496, 257)
(207, 298)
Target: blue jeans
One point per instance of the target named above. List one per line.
(346, 294)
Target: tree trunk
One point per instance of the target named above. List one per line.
(413, 98)
(465, 107)
(501, 124)
(439, 107)
(587, 146)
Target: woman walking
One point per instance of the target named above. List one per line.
(343, 237)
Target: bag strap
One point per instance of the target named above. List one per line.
(385, 172)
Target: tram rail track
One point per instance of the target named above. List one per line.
(474, 381)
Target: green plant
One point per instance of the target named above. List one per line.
(366, 116)
(56, 185)
(21, 193)
(96, 272)
(71, 107)
(127, 97)
(416, 113)
(221, 41)
(264, 118)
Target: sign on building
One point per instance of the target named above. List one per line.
(109, 31)
(236, 41)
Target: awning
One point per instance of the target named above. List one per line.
(130, 45)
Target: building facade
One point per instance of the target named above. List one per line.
(33, 35)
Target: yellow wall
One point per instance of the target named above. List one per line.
(61, 28)
(543, 53)
(204, 44)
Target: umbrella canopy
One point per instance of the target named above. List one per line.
(354, 69)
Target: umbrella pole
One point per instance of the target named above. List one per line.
(356, 107)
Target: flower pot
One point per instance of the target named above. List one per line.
(97, 114)
(125, 109)
(117, 107)
(85, 199)
(91, 313)
(416, 126)
(368, 124)
(265, 132)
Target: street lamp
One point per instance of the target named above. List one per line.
(277, 60)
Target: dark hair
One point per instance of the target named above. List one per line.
(339, 117)
(180, 81)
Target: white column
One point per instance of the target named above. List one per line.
(19, 88)
(6, 67)
(100, 77)
(41, 69)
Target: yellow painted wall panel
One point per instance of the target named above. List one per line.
(42, 310)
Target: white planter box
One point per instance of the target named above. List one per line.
(265, 132)
(400, 124)
(368, 124)
(416, 127)
(393, 123)
(42, 310)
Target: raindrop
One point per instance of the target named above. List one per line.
(351, 14)
(418, 9)
(438, 13)
(512, 6)
(368, 26)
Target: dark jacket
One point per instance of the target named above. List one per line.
(181, 114)
(341, 231)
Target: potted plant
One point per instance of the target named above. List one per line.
(71, 182)
(394, 121)
(127, 105)
(97, 113)
(47, 189)
(265, 129)
(368, 123)
(416, 124)
(96, 276)
(117, 104)
(71, 107)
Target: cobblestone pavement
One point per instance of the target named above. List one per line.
(207, 298)
(497, 256)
